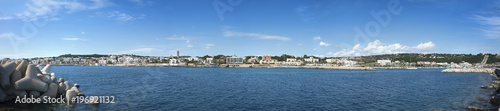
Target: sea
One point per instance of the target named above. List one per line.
(233, 89)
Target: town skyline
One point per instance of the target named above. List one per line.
(31, 28)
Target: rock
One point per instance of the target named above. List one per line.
(8, 68)
(70, 94)
(35, 94)
(31, 82)
(472, 108)
(76, 85)
(22, 67)
(491, 86)
(61, 89)
(495, 99)
(46, 69)
(51, 92)
(482, 87)
(496, 82)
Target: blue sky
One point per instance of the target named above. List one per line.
(42, 28)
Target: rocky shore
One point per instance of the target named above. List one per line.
(495, 96)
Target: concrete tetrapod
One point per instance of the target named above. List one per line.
(53, 77)
(61, 80)
(46, 69)
(61, 89)
(51, 92)
(46, 79)
(67, 85)
(16, 75)
(3, 96)
(22, 67)
(8, 68)
(31, 82)
(4, 61)
(77, 91)
(70, 94)
(35, 94)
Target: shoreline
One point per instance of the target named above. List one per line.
(243, 66)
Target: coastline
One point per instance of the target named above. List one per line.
(242, 66)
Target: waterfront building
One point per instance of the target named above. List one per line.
(311, 59)
(384, 62)
(210, 60)
(234, 60)
(291, 60)
(252, 60)
(346, 62)
(332, 60)
(266, 58)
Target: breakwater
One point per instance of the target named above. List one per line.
(21, 81)
(479, 70)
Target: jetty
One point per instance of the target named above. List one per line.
(475, 70)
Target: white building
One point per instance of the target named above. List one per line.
(384, 62)
(311, 59)
(235, 60)
(331, 60)
(347, 62)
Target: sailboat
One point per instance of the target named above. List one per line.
(411, 66)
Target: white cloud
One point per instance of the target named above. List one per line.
(6, 18)
(257, 35)
(141, 2)
(177, 38)
(83, 33)
(377, 47)
(209, 45)
(36, 9)
(314, 49)
(120, 16)
(5, 35)
(300, 44)
(324, 44)
(317, 38)
(491, 25)
(188, 41)
(73, 39)
(190, 45)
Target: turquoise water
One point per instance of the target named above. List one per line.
(177, 88)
